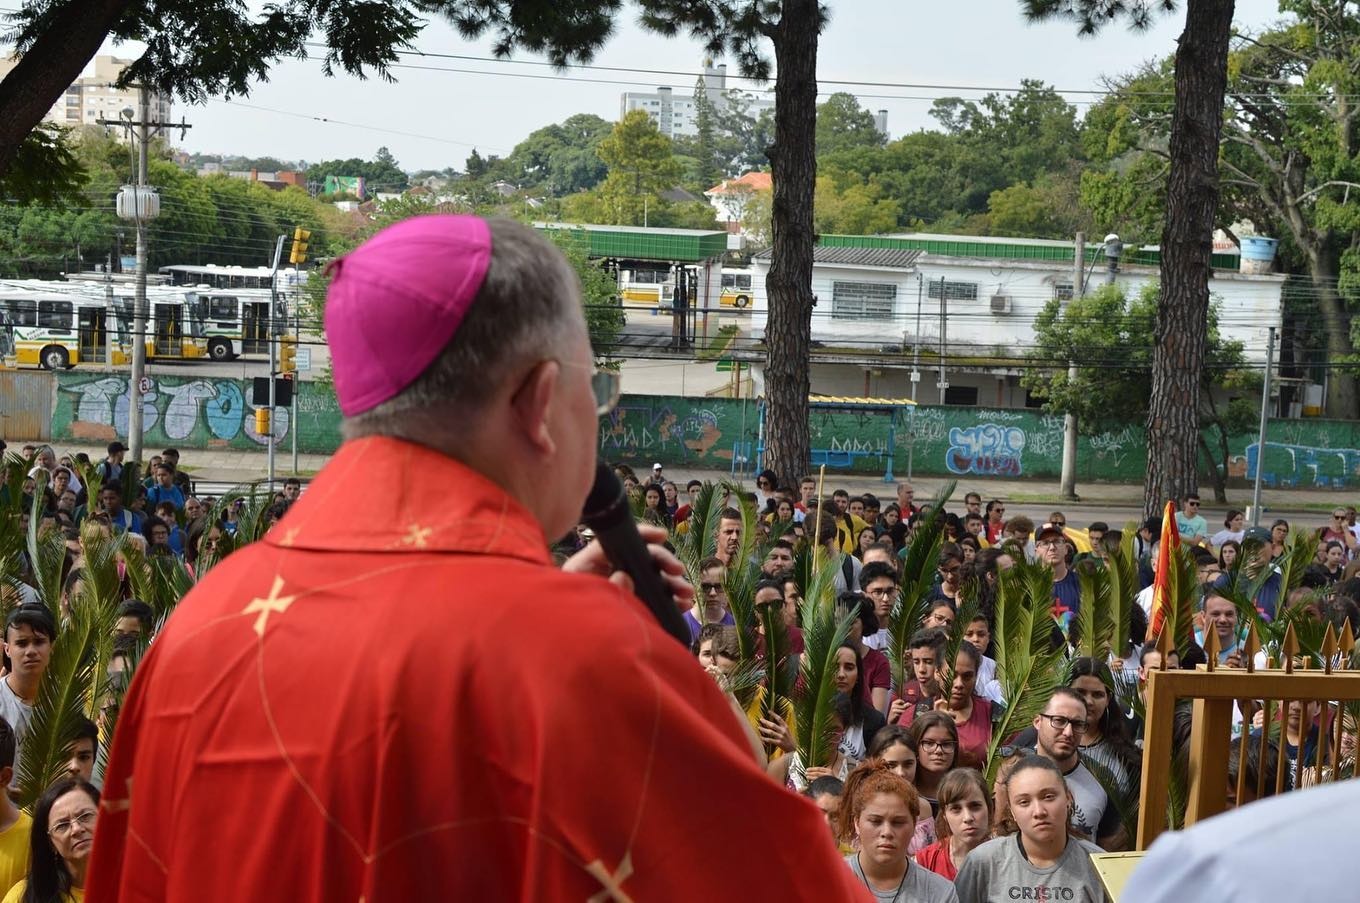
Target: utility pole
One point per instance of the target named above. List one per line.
(1068, 486)
(273, 349)
(139, 299)
(915, 367)
(1261, 433)
(110, 314)
(141, 204)
(944, 380)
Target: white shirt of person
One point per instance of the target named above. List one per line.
(17, 715)
(1290, 847)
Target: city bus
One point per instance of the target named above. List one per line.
(646, 285)
(54, 330)
(736, 288)
(235, 322)
(231, 277)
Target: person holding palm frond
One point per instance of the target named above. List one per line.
(30, 631)
(60, 845)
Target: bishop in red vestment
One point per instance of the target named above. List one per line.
(395, 696)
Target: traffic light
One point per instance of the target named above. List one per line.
(299, 253)
(262, 422)
(287, 354)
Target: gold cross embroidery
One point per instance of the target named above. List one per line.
(418, 536)
(122, 805)
(613, 884)
(265, 607)
(289, 536)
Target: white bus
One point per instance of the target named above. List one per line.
(641, 285)
(235, 321)
(55, 330)
(736, 288)
(232, 277)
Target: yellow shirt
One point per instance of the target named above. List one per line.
(16, 893)
(14, 851)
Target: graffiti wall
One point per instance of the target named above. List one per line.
(708, 433)
(938, 440)
(188, 412)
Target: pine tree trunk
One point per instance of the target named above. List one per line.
(788, 332)
(1187, 242)
(73, 36)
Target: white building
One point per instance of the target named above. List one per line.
(731, 198)
(674, 114)
(975, 298)
(93, 97)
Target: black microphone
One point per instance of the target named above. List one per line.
(607, 513)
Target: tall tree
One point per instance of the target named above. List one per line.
(843, 124)
(1201, 78)
(569, 29)
(707, 173)
(641, 166)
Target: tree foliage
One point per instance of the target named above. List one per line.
(842, 124)
(382, 173)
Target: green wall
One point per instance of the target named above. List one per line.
(208, 412)
(704, 433)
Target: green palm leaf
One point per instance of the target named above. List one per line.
(1029, 665)
(824, 629)
(74, 675)
(916, 583)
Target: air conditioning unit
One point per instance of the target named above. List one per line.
(1001, 304)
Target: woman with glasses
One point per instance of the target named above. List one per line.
(950, 586)
(765, 481)
(59, 845)
(1042, 854)
(937, 744)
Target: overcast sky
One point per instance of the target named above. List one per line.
(432, 119)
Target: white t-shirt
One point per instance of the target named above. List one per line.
(1258, 852)
(17, 714)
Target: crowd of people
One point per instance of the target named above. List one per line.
(44, 852)
(905, 793)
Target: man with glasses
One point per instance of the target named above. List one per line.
(1058, 729)
(460, 359)
(1191, 524)
(996, 520)
(879, 582)
(710, 606)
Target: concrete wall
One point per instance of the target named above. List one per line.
(681, 432)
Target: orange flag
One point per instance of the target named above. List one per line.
(1163, 584)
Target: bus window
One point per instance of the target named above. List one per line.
(22, 312)
(223, 307)
(54, 314)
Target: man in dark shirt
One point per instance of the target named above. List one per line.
(1051, 544)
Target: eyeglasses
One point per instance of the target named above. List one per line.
(711, 587)
(65, 827)
(944, 745)
(881, 592)
(1008, 751)
(1192, 504)
(1060, 523)
(1062, 722)
(764, 483)
(607, 386)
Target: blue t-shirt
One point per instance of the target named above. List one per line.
(695, 626)
(1066, 599)
(157, 494)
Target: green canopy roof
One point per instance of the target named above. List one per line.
(638, 243)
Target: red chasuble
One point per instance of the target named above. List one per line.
(395, 696)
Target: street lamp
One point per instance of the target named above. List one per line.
(1114, 249)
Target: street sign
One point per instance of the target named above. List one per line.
(727, 365)
(144, 385)
(303, 359)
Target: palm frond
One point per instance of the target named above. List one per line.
(72, 682)
(1029, 666)
(1300, 550)
(915, 584)
(778, 675)
(698, 540)
(1093, 582)
(741, 579)
(824, 629)
(1123, 795)
(1123, 565)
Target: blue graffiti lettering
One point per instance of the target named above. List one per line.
(986, 449)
